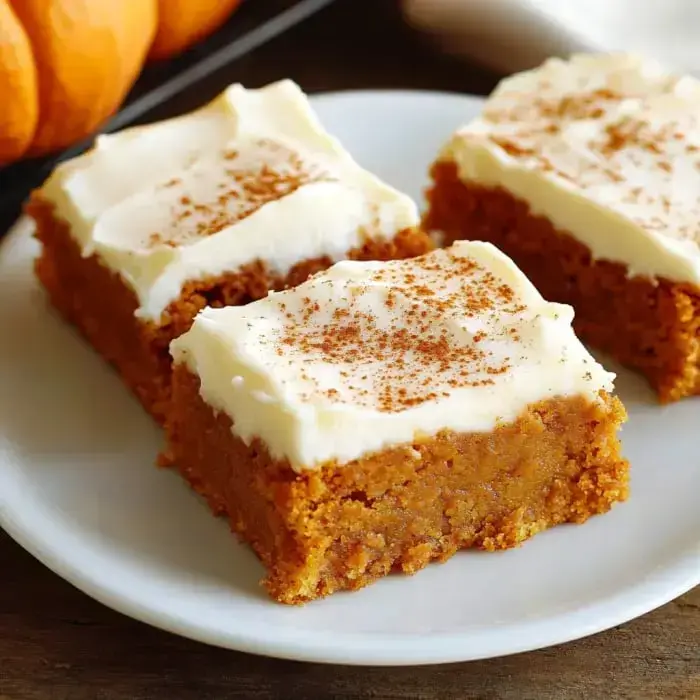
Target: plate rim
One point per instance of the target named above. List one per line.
(649, 596)
(386, 650)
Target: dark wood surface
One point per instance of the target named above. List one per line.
(57, 643)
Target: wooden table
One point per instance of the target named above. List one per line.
(57, 643)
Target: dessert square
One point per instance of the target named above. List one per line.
(382, 415)
(587, 173)
(217, 207)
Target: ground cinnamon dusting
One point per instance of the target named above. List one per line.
(416, 355)
(269, 172)
(606, 142)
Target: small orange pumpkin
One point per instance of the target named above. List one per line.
(18, 87)
(182, 23)
(66, 65)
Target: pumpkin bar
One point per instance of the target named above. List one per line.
(217, 207)
(587, 173)
(382, 415)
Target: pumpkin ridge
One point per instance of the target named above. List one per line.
(19, 90)
(87, 53)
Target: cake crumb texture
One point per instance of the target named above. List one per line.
(344, 526)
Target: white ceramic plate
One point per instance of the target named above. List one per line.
(79, 490)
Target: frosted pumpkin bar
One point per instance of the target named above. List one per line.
(587, 173)
(217, 207)
(385, 414)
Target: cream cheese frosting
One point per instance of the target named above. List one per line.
(607, 147)
(252, 175)
(369, 355)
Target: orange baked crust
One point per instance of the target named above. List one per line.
(99, 303)
(345, 526)
(650, 325)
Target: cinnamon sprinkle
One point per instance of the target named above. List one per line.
(419, 348)
(244, 182)
(604, 142)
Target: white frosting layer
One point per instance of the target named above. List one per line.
(253, 175)
(369, 355)
(607, 147)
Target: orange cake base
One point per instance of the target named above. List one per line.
(98, 302)
(344, 526)
(650, 325)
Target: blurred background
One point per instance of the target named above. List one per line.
(66, 68)
(62, 78)
(89, 84)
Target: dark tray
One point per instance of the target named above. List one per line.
(169, 88)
